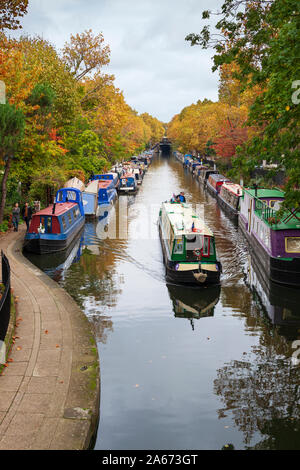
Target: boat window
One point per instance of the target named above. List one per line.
(70, 217)
(206, 244)
(292, 244)
(275, 205)
(49, 225)
(64, 223)
(193, 243)
(74, 214)
(178, 246)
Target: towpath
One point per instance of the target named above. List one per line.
(49, 391)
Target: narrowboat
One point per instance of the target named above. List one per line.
(214, 183)
(54, 228)
(199, 169)
(75, 183)
(274, 239)
(205, 173)
(138, 176)
(229, 198)
(113, 176)
(188, 247)
(128, 184)
(98, 196)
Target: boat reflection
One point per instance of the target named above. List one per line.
(55, 265)
(193, 304)
(281, 303)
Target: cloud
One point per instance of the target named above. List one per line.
(158, 71)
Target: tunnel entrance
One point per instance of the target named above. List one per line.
(165, 147)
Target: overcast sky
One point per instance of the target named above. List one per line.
(157, 70)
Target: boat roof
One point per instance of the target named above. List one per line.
(182, 217)
(92, 187)
(60, 209)
(233, 188)
(218, 177)
(127, 175)
(75, 183)
(263, 193)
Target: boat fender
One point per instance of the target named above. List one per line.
(200, 277)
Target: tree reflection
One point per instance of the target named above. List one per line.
(262, 393)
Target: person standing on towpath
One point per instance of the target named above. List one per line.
(16, 217)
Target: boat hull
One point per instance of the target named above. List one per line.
(44, 244)
(230, 211)
(280, 271)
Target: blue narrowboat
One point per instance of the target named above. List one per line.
(54, 228)
(98, 195)
(128, 184)
(114, 177)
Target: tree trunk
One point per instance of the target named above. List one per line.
(4, 189)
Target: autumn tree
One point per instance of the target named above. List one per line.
(85, 53)
(10, 12)
(262, 39)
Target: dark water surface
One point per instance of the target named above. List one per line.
(184, 369)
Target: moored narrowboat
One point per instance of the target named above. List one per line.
(205, 173)
(229, 198)
(214, 183)
(188, 247)
(128, 184)
(113, 176)
(98, 195)
(54, 228)
(274, 239)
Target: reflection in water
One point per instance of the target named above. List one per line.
(165, 386)
(193, 303)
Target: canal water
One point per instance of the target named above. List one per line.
(183, 369)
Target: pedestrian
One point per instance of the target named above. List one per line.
(27, 214)
(16, 217)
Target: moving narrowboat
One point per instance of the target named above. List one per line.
(54, 228)
(229, 198)
(128, 184)
(214, 183)
(274, 239)
(188, 247)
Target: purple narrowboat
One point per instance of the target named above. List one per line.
(274, 239)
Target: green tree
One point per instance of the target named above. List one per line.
(12, 124)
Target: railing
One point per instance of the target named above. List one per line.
(265, 212)
(5, 301)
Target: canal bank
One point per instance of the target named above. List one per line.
(50, 389)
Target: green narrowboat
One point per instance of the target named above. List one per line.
(188, 246)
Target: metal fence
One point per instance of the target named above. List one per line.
(5, 301)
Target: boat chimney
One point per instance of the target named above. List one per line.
(255, 188)
(54, 206)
